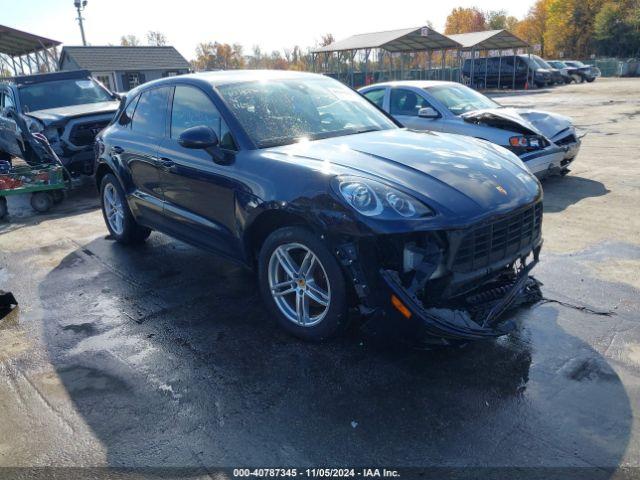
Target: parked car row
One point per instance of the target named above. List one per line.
(431, 230)
(520, 71)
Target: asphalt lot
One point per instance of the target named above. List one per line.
(163, 355)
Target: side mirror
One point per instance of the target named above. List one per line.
(428, 112)
(201, 137)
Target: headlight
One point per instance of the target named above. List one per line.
(375, 199)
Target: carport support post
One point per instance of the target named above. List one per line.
(499, 68)
(529, 52)
(515, 63)
(352, 56)
(473, 65)
(429, 64)
(367, 52)
(442, 64)
(486, 68)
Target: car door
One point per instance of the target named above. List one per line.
(10, 138)
(377, 95)
(199, 189)
(404, 105)
(140, 129)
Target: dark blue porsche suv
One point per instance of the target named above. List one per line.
(336, 206)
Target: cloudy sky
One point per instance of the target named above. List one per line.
(272, 24)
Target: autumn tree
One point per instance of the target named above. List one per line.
(465, 20)
(533, 27)
(218, 56)
(129, 41)
(156, 39)
(571, 26)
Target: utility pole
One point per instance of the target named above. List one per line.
(80, 6)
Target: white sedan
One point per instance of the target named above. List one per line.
(546, 142)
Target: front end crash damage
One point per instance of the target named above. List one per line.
(445, 286)
(546, 142)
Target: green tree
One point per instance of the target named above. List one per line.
(617, 28)
(500, 20)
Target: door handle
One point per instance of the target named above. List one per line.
(115, 150)
(165, 164)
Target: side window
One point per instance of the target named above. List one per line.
(149, 115)
(376, 96)
(192, 108)
(127, 116)
(406, 102)
(8, 100)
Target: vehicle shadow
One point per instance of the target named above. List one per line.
(171, 359)
(562, 192)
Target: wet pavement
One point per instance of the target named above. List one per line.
(163, 355)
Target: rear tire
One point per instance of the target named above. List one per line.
(320, 277)
(117, 216)
(591, 79)
(3, 207)
(41, 202)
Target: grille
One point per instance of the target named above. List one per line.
(85, 133)
(567, 140)
(500, 240)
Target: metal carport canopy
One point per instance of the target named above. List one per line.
(489, 40)
(16, 42)
(404, 40)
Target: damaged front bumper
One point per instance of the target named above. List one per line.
(478, 315)
(439, 287)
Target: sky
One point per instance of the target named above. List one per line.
(274, 24)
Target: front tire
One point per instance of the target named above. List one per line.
(115, 210)
(302, 284)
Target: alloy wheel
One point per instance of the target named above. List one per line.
(299, 284)
(113, 208)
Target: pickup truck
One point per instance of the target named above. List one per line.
(70, 108)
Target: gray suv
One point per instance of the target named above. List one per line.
(69, 108)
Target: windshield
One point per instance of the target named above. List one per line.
(557, 64)
(460, 99)
(541, 62)
(278, 112)
(61, 93)
(576, 64)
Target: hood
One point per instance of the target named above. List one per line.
(521, 120)
(457, 174)
(60, 115)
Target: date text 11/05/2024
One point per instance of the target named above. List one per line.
(315, 472)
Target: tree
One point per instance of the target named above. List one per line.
(327, 39)
(156, 39)
(533, 27)
(500, 20)
(617, 28)
(129, 41)
(465, 20)
(218, 56)
(570, 26)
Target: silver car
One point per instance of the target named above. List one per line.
(546, 142)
